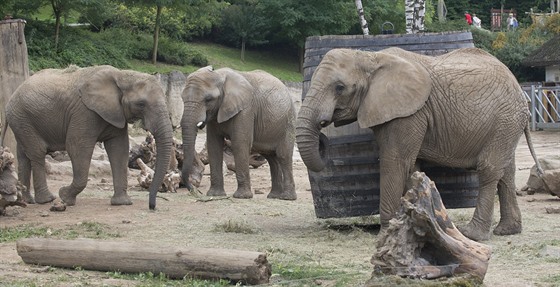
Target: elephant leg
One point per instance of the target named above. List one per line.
(24, 174)
(510, 215)
(241, 153)
(399, 143)
(33, 159)
(80, 156)
(215, 143)
(117, 151)
(479, 227)
(285, 178)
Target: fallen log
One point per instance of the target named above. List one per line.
(422, 241)
(246, 267)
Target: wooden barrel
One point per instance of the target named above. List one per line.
(349, 185)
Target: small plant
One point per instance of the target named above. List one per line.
(232, 226)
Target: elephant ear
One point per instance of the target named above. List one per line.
(238, 94)
(398, 87)
(101, 94)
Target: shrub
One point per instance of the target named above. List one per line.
(178, 53)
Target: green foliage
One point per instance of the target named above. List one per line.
(243, 23)
(150, 279)
(449, 25)
(292, 21)
(177, 53)
(552, 24)
(379, 12)
(109, 47)
(483, 39)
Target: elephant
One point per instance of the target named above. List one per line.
(252, 109)
(74, 108)
(463, 109)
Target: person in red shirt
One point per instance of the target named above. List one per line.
(468, 18)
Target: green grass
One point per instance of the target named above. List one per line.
(283, 67)
(86, 229)
(232, 226)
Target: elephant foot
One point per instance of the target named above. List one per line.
(243, 193)
(286, 195)
(44, 197)
(28, 198)
(508, 227)
(121, 200)
(67, 195)
(473, 232)
(216, 192)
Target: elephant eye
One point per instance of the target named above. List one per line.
(339, 88)
(141, 104)
(208, 98)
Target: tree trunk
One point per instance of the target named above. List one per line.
(415, 11)
(422, 242)
(441, 11)
(363, 22)
(14, 69)
(247, 267)
(156, 35)
(243, 49)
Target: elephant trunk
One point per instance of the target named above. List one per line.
(310, 141)
(163, 135)
(189, 131)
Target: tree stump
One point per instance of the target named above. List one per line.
(422, 242)
(14, 67)
(11, 190)
(247, 267)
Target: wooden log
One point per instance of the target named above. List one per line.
(422, 241)
(247, 267)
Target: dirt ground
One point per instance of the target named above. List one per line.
(287, 231)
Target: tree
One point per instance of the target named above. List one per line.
(244, 24)
(159, 6)
(292, 21)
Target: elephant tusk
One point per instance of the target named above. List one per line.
(201, 125)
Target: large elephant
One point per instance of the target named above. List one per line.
(252, 109)
(72, 109)
(463, 109)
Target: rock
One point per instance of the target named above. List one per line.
(534, 182)
(58, 205)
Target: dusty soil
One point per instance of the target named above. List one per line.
(287, 231)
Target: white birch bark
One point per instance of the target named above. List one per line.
(363, 22)
(415, 11)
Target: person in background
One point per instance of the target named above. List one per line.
(476, 21)
(511, 22)
(468, 18)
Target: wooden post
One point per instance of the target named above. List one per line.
(14, 67)
(247, 267)
(422, 242)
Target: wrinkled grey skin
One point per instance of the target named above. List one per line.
(252, 109)
(74, 108)
(463, 109)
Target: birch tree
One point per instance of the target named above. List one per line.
(415, 10)
(363, 22)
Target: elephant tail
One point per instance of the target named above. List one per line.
(3, 135)
(540, 171)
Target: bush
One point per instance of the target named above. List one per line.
(177, 53)
(114, 47)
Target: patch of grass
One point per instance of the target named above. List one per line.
(232, 226)
(86, 229)
(150, 279)
(281, 66)
(309, 275)
(9, 234)
(89, 229)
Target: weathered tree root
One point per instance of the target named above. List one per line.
(422, 242)
(11, 189)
